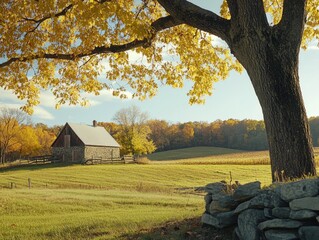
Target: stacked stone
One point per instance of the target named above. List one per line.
(286, 212)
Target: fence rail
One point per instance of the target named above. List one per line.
(99, 160)
(43, 159)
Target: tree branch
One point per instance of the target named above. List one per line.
(157, 26)
(197, 17)
(293, 21)
(59, 14)
(41, 20)
(233, 8)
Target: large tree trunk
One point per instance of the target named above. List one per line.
(270, 56)
(271, 59)
(276, 83)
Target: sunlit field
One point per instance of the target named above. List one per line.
(114, 201)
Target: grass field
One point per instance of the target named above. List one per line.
(194, 152)
(112, 201)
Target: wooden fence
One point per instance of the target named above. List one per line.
(43, 159)
(99, 160)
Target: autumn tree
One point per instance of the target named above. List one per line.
(45, 137)
(10, 130)
(65, 45)
(28, 141)
(133, 133)
(159, 134)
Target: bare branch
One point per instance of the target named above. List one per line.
(41, 20)
(157, 26)
(197, 17)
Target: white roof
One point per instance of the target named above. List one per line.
(93, 136)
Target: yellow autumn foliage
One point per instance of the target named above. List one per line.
(55, 45)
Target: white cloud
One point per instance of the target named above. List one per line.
(39, 112)
(105, 96)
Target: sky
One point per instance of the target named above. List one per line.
(232, 98)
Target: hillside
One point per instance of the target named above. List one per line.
(193, 152)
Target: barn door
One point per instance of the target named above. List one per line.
(76, 155)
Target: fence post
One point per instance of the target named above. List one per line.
(29, 183)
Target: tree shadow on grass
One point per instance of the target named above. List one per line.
(188, 229)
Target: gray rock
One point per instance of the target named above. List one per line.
(217, 196)
(300, 189)
(259, 201)
(208, 198)
(276, 201)
(279, 223)
(281, 212)
(302, 214)
(247, 191)
(216, 207)
(309, 233)
(220, 220)
(310, 203)
(236, 234)
(267, 212)
(248, 222)
(209, 219)
(281, 234)
(227, 201)
(277, 187)
(216, 188)
(227, 219)
(242, 207)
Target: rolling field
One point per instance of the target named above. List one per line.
(112, 201)
(194, 152)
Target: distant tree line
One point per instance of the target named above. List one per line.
(237, 134)
(137, 134)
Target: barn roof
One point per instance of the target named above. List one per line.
(93, 136)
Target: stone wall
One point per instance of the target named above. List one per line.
(71, 154)
(102, 152)
(286, 211)
(80, 154)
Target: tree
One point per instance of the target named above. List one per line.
(64, 45)
(28, 141)
(133, 133)
(10, 127)
(45, 138)
(159, 134)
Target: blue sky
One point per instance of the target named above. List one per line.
(232, 98)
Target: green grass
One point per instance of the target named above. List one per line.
(115, 201)
(106, 201)
(144, 178)
(87, 214)
(194, 152)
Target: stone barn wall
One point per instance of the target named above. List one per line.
(71, 154)
(102, 152)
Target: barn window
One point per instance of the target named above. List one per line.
(66, 141)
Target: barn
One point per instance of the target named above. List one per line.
(80, 142)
